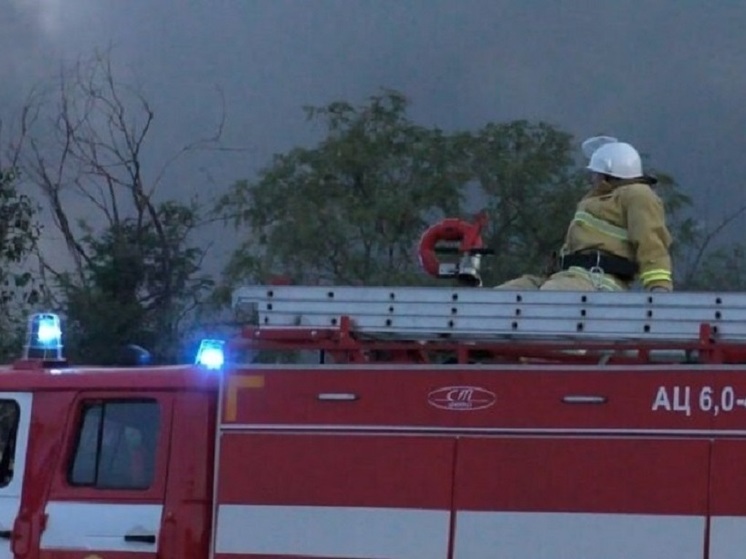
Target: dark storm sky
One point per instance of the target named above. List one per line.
(667, 75)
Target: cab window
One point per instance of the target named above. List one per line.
(116, 445)
(9, 416)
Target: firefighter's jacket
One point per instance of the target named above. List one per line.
(626, 220)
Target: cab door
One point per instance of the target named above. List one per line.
(15, 413)
(108, 491)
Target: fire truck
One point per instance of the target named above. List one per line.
(444, 422)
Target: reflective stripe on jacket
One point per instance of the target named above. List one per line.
(629, 221)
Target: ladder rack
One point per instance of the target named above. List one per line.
(484, 314)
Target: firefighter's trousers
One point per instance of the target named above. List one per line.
(572, 279)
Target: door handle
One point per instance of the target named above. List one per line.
(6, 534)
(140, 538)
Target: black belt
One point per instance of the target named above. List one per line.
(610, 264)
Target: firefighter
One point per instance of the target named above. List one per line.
(618, 234)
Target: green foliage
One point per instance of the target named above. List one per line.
(349, 210)
(141, 279)
(722, 269)
(130, 273)
(18, 228)
(528, 177)
(19, 233)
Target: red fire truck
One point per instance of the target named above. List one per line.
(410, 423)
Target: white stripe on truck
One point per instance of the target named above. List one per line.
(101, 526)
(727, 537)
(348, 532)
(366, 533)
(544, 535)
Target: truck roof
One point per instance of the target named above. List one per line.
(23, 376)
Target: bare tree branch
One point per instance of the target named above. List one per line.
(198, 144)
(707, 240)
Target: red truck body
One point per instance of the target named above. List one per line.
(376, 459)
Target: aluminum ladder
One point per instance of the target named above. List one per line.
(425, 313)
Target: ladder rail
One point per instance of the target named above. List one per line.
(484, 295)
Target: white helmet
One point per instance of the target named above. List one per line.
(617, 159)
(591, 144)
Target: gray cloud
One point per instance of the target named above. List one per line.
(664, 74)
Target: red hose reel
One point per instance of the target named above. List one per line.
(470, 247)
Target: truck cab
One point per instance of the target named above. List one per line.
(105, 462)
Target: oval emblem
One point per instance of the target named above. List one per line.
(461, 398)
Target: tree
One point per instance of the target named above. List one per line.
(19, 233)
(722, 269)
(134, 269)
(705, 263)
(529, 178)
(350, 209)
(126, 297)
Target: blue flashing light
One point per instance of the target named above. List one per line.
(44, 338)
(211, 354)
(46, 333)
